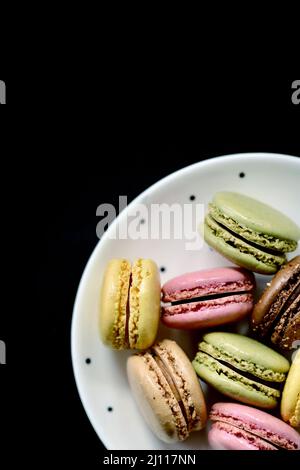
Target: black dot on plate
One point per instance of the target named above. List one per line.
(192, 197)
(110, 409)
(242, 175)
(162, 269)
(142, 221)
(88, 360)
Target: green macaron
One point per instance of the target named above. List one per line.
(241, 368)
(249, 233)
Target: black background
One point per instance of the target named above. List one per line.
(61, 162)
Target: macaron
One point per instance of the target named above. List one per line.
(249, 233)
(241, 368)
(167, 391)
(290, 403)
(240, 427)
(207, 298)
(277, 313)
(130, 304)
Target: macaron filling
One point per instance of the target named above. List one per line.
(206, 291)
(171, 383)
(211, 303)
(207, 294)
(267, 375)
(250, 384)
(263, 255)
(167, 363)
(250, 440)
(259, 238)
(167, 393)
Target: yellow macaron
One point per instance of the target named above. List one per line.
(290, 403)
(130, 304)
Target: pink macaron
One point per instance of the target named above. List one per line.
(207, 298)
(240, 427)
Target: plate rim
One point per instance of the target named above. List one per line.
(202, 163)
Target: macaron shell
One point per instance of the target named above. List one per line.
(155, 399)
(113, 303)
(234, 385)
(256, 215)
(257, 422)
(186, 380)
(225, 437)
(249, 351)
(208, 282)
(240, 252)
(290, 403)
(208, 313)
(144, 304)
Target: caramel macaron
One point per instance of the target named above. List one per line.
(167, 391)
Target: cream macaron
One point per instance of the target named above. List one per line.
(130, 304)
(167, 391)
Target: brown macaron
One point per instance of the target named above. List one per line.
(277, 313)
(167, 391)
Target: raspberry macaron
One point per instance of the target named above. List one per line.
(240, 427)
(207, 298)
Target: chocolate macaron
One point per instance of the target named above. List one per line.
(277, 313)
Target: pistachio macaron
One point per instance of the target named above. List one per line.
(290, 403)
(130, 304)
(167, 391)
(249, 233)
(241, 368)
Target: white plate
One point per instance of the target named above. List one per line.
(274, 179)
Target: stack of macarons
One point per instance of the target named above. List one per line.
(256, 371)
